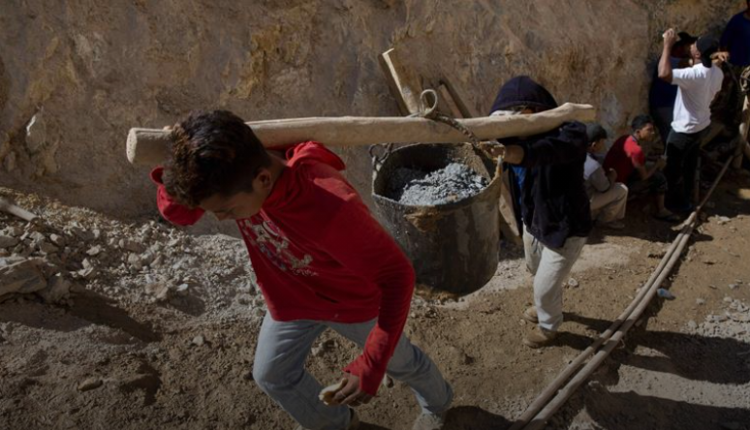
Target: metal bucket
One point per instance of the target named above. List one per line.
(453, 246)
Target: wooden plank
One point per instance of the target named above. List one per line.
(467, 110)
(404, 85)
(446, 104)
(10, 208)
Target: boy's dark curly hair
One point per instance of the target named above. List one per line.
(212, 153)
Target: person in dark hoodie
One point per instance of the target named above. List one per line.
(321, 260)
(548, 187)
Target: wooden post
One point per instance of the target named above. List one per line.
(404, 85)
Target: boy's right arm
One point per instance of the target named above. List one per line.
(169, 208)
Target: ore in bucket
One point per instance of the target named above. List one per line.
(453, 243)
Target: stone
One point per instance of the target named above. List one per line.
(7, 241)
(90, 384)
(47, 247)
(323, 347)
(700, 302)
(692, 325)
(94, 250)
(733, 286)
(723, 220)
(58, 288)
(135, 261)
(132, 246)
(182, 289)
(158, 290)
(572, 283)
(198, 340)
(22, 277)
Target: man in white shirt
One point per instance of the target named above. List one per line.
(697, 87)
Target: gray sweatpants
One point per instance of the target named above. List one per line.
(550, 268)
(279, 370)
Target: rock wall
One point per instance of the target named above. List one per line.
(76, 75)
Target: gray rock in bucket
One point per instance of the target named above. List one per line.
(452, 183)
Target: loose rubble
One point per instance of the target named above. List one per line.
(71, 249)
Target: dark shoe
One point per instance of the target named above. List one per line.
(353, 421)
(668, 217)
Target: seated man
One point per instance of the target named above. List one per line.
(628, 159)
(607, 197)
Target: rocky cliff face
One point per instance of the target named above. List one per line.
(75, 76)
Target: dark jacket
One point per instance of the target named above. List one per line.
(551, 194)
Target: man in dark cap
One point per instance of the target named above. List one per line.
(662, 95)
(697, 87)
(547, 184)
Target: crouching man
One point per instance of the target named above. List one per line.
(547, 184)
(608, 198)
(321, 259)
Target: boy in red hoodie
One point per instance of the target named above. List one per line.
(321, 259)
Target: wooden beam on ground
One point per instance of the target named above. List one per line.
(8, 207)
(404, 84)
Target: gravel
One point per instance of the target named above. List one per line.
(452, 183)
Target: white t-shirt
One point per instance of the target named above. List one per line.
(697, 87)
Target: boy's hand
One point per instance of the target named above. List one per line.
(493, 148)
(612, 175)
(670, 38)
(720, 57)
(351, 394)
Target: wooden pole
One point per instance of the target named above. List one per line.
(150, 147)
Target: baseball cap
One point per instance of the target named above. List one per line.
(707, 45)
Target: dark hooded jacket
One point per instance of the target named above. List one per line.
(549, 188)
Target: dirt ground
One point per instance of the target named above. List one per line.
(119, 352)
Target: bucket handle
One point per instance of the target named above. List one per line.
(378, 160)
(428, 103)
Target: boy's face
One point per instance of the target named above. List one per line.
(242, 204)
(694, 52)
(647, 133)
(598, 146)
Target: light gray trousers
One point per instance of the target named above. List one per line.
(279, 370)
(550, 268)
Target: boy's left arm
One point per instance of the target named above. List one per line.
(358, 242)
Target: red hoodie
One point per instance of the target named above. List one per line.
(320, 255)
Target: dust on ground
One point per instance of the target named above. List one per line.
(154, 328)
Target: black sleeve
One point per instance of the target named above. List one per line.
(568, 144)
